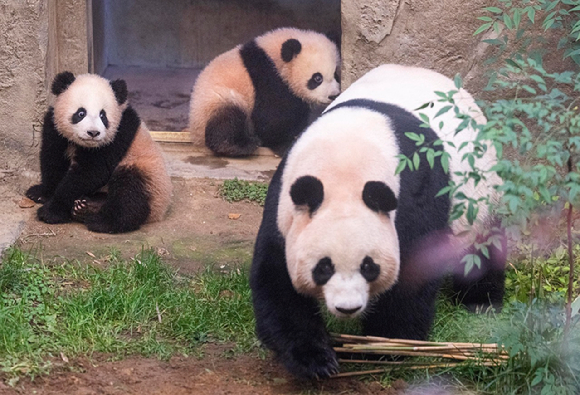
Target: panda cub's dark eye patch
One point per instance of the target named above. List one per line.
(79, 115)
(369, 269)
(323, 271)
(104, 119)
(315, 81)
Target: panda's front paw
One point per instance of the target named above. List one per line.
(311, 360)
(50, 215)
(36, 194)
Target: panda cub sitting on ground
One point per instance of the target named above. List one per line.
(340, 225)
(261, 93)
(93, 139)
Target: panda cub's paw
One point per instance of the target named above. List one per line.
(51, 215)
(81, 210)
(310, 360)
(36, 194)
(85, 207)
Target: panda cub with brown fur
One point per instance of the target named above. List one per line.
(98, 162)
(261, 93)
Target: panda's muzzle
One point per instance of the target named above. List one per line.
(348, 311)
(93, 133)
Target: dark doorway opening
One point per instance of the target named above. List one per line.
(159, 47)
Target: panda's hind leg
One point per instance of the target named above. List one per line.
(484, 286)
(126, 207)
(229, 133)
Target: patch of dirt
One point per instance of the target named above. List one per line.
(197, 231)
(212, 374)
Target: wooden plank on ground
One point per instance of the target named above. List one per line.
(171, 137)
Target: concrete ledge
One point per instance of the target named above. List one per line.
(186, 161)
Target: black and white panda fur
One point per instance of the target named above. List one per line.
(93, 140)
(261, 93)
(339, 225)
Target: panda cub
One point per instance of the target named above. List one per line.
(92, 141)
(261, 93)
(341, 226)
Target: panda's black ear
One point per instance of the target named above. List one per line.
(290, 49)
(379, 197)
(307, 191)
(61, 82)
(120, 89)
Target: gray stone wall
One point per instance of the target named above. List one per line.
(38, 38)
(436, 34)
(23, 52)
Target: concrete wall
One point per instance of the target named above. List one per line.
(38, 38)
(177, 33)
(23, 72)
(436, 34)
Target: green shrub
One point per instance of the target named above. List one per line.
(236, 190)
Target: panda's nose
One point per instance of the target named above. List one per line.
(348, 311)
(93, 133)
(332, 97)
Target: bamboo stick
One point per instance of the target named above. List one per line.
(411, 367)
(412, 364)
(374, 339)
(461, 357)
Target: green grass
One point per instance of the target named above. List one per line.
(137, 306)
(237, 190)
(142, 306)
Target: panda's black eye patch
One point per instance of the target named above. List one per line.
(379, 197)
(79, 115)
(337, 76)
(369, 269)
(323, 271)
(307, 190)
(315, 81)
(104, 119)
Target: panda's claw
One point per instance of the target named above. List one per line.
(36, 193)
(312, 361)
(81, 209)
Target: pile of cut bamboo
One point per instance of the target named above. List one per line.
(444, 355)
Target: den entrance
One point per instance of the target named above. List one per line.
(159, 47)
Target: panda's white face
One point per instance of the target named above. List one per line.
(87, 112)
(314, 73)
(338, 220)
(307, 61)
(344, 254)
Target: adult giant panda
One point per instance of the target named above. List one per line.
(340, 225)
(92, 139)
(261, 93)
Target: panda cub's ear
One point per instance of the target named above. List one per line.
(379, 197)
(307, 191)
(61, 82)
(290, 49)
(120, 89)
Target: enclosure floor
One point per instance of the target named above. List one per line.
(160, 95)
